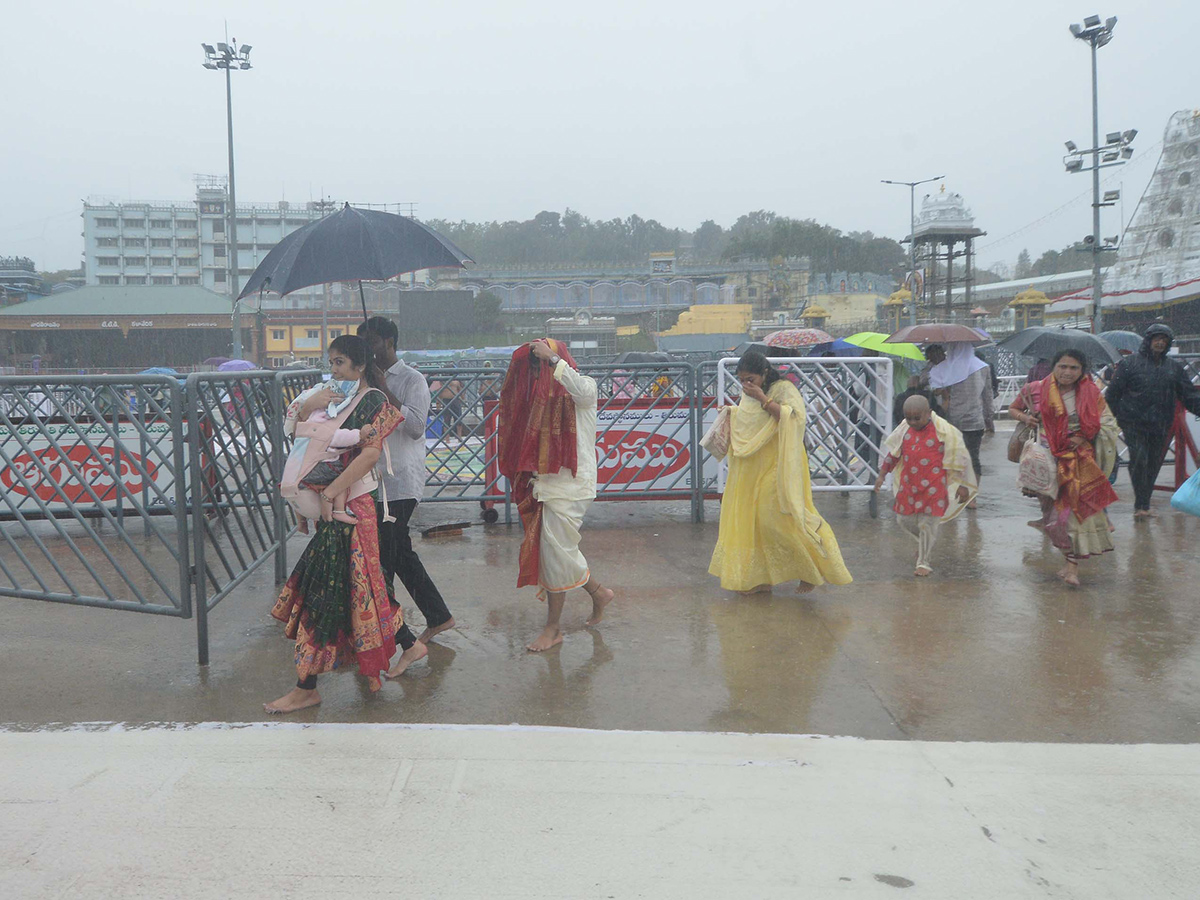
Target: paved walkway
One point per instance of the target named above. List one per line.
(417, 811)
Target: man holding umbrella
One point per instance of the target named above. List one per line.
(408, 391)
(1143, 395)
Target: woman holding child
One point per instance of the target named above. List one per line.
(335, 604)
(1080, 431)
(770, 531)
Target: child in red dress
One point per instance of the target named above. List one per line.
(931, 460)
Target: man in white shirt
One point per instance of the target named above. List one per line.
(565, 497)
(408, 391)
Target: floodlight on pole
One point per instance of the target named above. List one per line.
(1115, 151)
(230, 56)
(912, 226)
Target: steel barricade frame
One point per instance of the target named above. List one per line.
(848, 403)
(235, 424)
(646, 415)
(94, 451)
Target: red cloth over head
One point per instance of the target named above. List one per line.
(536, 437)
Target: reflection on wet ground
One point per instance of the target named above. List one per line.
(992, 647)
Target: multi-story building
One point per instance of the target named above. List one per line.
(185, 242)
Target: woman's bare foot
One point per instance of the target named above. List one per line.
(1070, 574)
(293, 700)
(972, 504)
(414, 653)
(923, 571)
(601, 597)
(551, 636)
(1145, 514)
(430, 633)
(805, 588)
(374, 683)
(1036, 523)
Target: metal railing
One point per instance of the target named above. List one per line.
(140, 493)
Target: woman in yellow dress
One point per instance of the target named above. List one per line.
(770, 530)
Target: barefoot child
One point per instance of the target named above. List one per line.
(933, 464)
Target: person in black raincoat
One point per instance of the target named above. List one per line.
(1144, 390)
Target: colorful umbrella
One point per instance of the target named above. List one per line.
(936, 333)
(790, 338)
(236, 365)
(877, 341)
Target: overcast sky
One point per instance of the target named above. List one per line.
(678, 110)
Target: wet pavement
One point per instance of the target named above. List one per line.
(992, 647)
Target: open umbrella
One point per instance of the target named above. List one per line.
(236, 365)
(741, 348)
(215, 361)
(877, 341)
(352, 245)
(1048, 341)
(644, 356)
(936, 333)
(790, 338)
(1123, 341)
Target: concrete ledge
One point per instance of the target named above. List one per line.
(288, 809)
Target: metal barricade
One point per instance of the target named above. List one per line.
(235, 463)
(848, 402)
(90, 467)
(646, 415)
(1010, 386)
(461, 438)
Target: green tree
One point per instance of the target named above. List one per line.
(487, 311)
(1024, 266)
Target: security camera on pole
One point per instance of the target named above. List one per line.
(229, 57)
(1116, 151)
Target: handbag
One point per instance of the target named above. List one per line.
(1016, 443)
(716, 439)
(1037, 472)
(1187, 498)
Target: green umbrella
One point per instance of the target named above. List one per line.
(874, 340)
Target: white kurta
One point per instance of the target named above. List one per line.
(565, 497)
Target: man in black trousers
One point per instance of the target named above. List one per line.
(408, 391)
(1144, 391)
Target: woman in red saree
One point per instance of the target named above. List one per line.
(335, 604)
(1081, 432)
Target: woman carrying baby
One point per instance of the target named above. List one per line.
(335, 604)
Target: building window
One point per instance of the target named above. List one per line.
(135, 279)
(185, 242)
(160, 242)
(219, 276)
(106, 223)
(314, 334)
(108, 242)
(245, 246)
(110, 279)
(186, 223)
(265, 247)
(335, 333)
(276, 362)
(189, 279)
(160, 223)
(753, 292)
(162, 279)
(134, 223)
(218, 226)
(160, 261)
(134, 242)
(219, 251)
(135, 260)
(245, 271)
(296, 223)
(189, 261)
(107, 261)
(278, 334)
(245, 223)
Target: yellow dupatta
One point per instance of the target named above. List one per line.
(751, 428)
(955, 458)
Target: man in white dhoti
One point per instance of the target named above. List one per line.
(548, 452)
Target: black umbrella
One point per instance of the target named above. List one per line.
(762, 348)
(1046, 342)
(352, 245)
(630, 357)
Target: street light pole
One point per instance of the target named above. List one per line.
(228, 57)
(912, 230)
(1114, 152)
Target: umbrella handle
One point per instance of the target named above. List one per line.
(363, 298)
